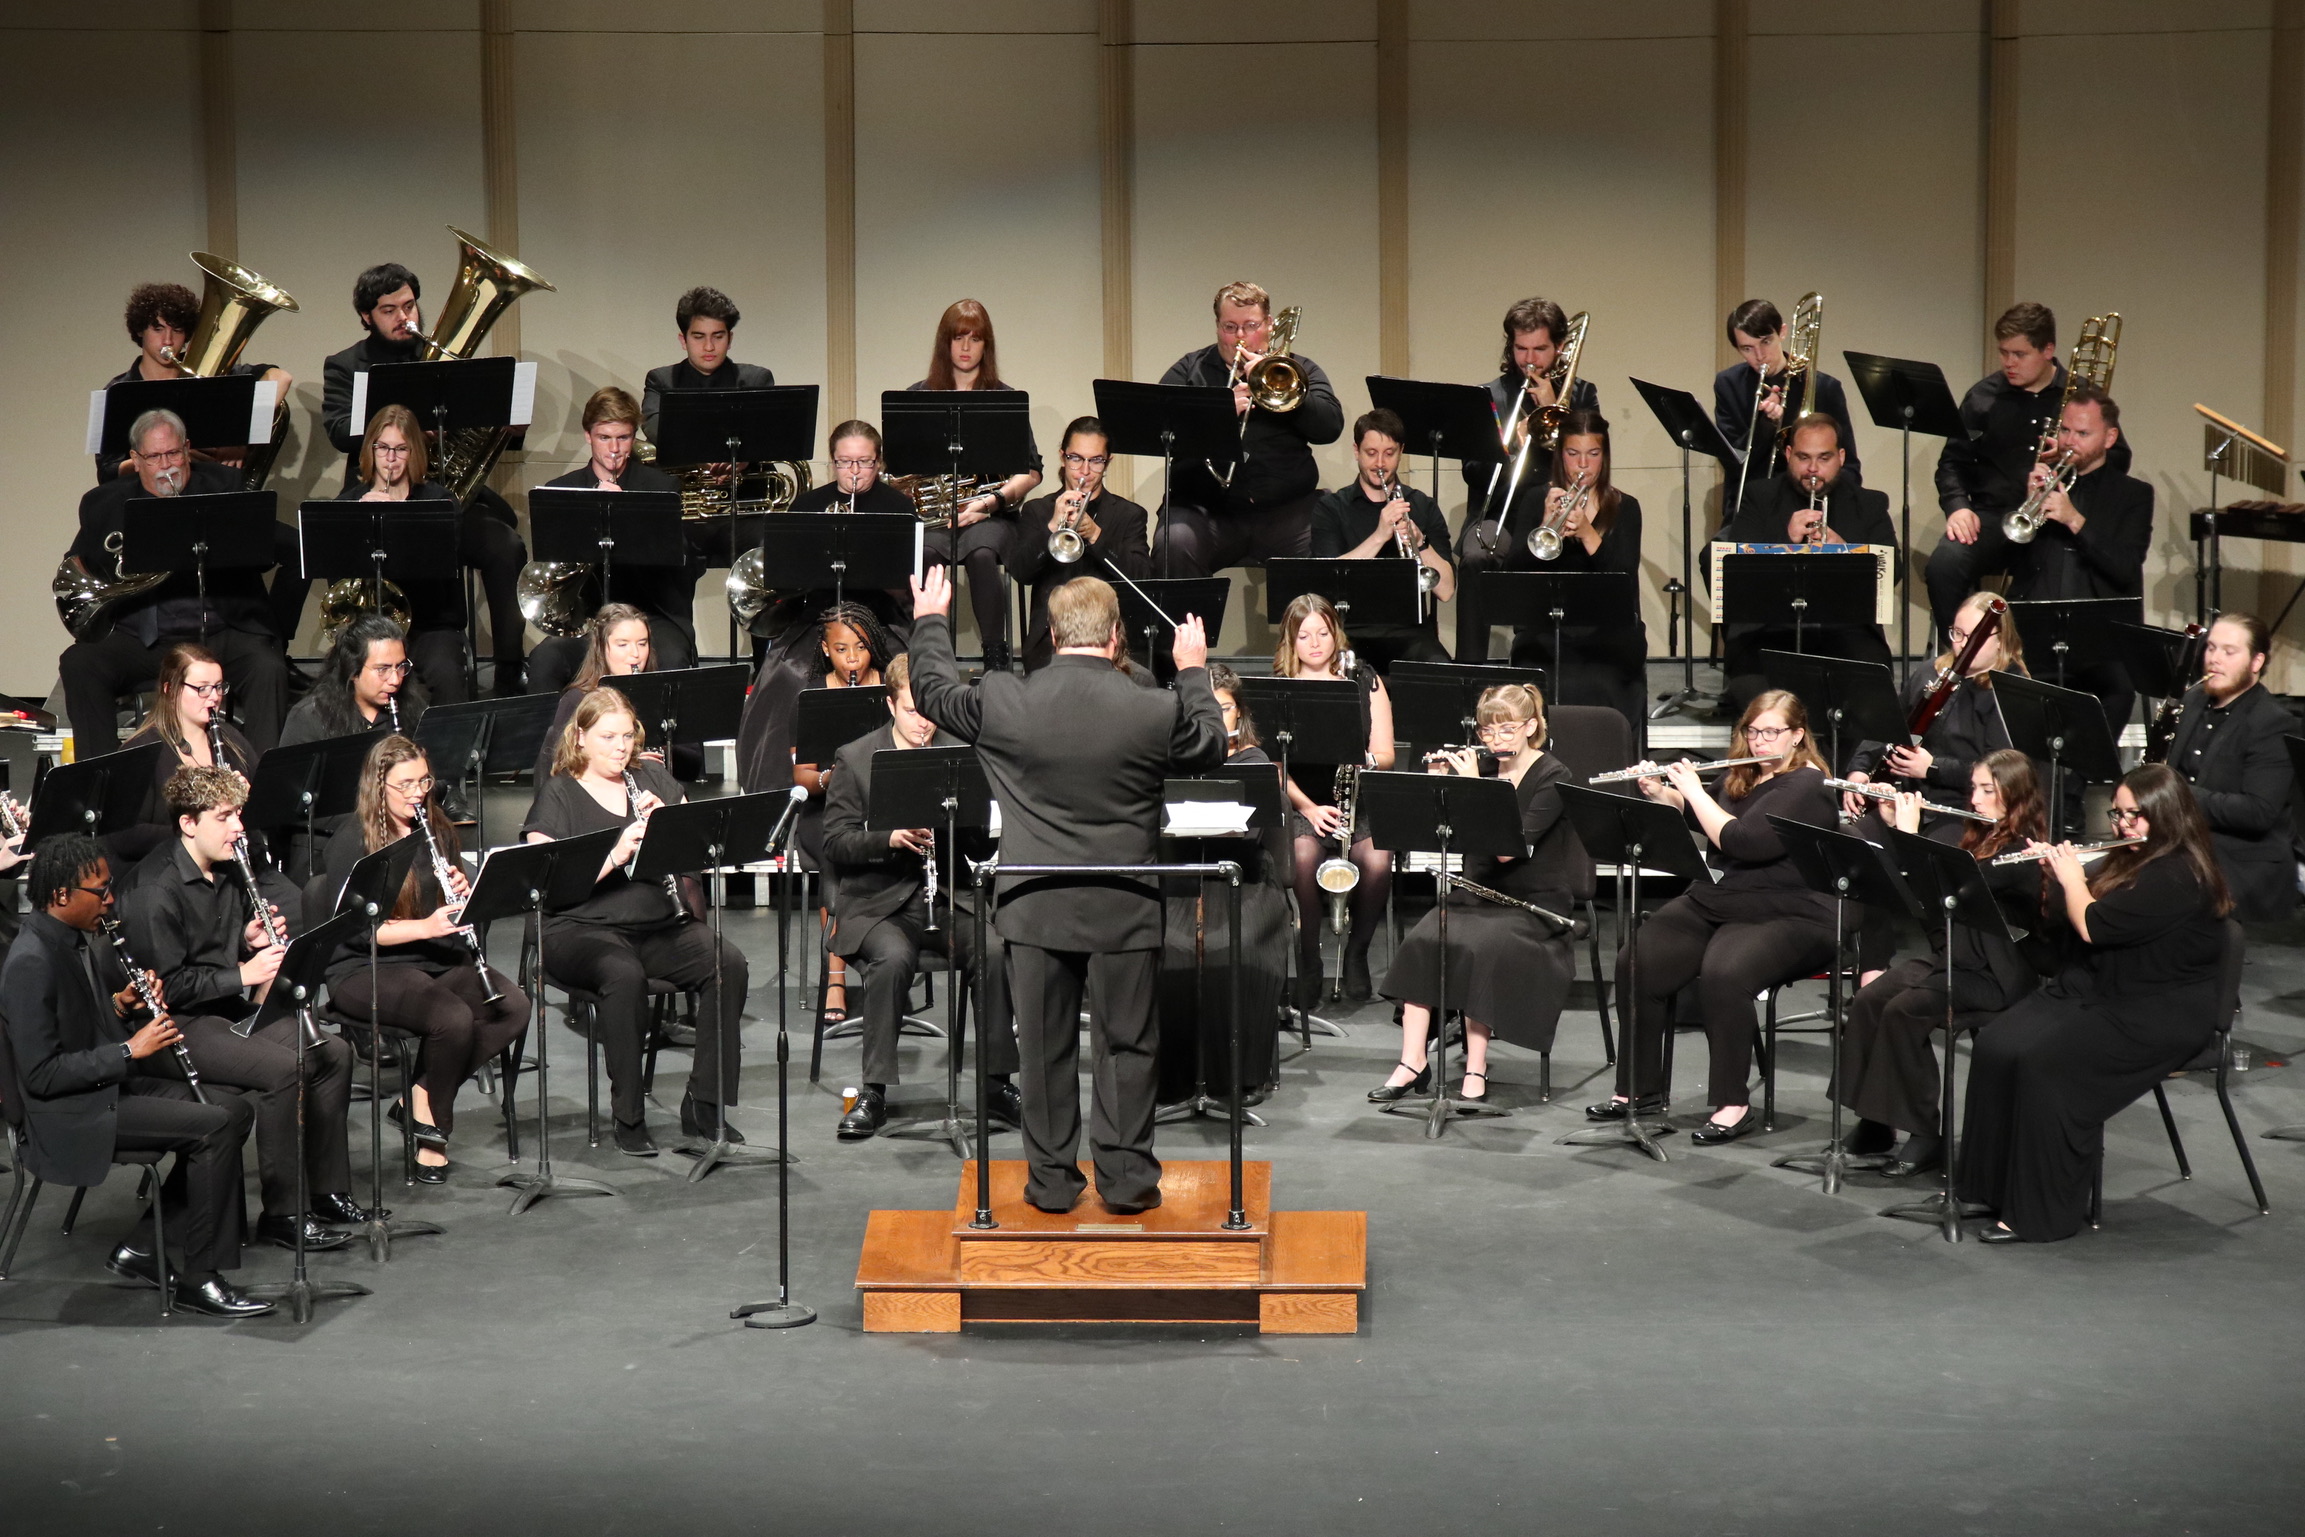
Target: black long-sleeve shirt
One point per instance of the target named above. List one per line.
(1986, 471)
(2239, 767)
(683, 375)
(1734, 389)
(1538, 473)
(1278, 444)
(336, 372)
(1757, 873)
(1964, 732)
(191, 928)
(2107, 558)
(236, 599)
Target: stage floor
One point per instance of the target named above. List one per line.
(1552, 1337)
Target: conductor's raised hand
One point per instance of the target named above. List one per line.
(932, 593)
(1190, 645)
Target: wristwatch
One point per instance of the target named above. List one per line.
(127, 1052)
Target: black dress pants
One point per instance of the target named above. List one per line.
(264, 1065)
(1889, 1073)
(289, 586)
(203, 1215)
(1730, 962)
(96, 673)
(983, 554)
(1047, 986)
(1473, 557)
(1196, 543)
(460, 1029)
(618, 964)
(886, 961)
(488, 541)
(1955, 569)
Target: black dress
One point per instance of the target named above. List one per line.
(155, 824)
(1508, 969)
(1599, 664)
(2138, 1001)
(1196, 1030)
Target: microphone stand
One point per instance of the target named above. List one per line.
(730, 1043)
(783, 1313)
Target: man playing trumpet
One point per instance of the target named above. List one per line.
(1377, 517)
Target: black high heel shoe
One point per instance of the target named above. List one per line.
(1475, 1098)
(1386, 1093)
(426, 1134)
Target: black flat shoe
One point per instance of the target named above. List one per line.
(634, 1141)
(218, 1298)
(1919, 1155)
(280, 1231)
(865, 1118)
(340, 1209)
(426, 1134)
(432, 1174)
(1475, 1098)
(1614, 1109)
(1386, 1093)
(1356, 984)
(1999, 1234)
(702, 1118)
(133, 1264)
(1005, 1104)
(1308, 991)
(1713, 1133)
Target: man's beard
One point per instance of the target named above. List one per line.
(168, 482)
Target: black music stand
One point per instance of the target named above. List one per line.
(1631, 831)
(219, 531)
(926, 787)
(1443, 420)
(1257, 786)
(705, 837)
(1853, 701)
(521, 880)
(226, 411)
(1948, 883)
(294, 990)
(378, 542)
(1555, 601)
(449, 393)
(736, 427)
(956, 432)
(783, 1312)
(828, 719)
(1435, 703)
(2161, 664)
(1847, 869)
(303, 783)
(1906, 396)
(1447, 816)
(2063, 726)
(1188, 421)
(1689, 425)
(94, 795)
(1365, 592)
(1318, 719)
(1812, 591)
(370, 891)
(2056, 630)
(607, 529)
(689, 705)
(1151, 608)
(480, 737)
(810, 551)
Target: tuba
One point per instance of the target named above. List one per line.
(487, 281)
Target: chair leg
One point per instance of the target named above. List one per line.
(159, 1239)
(816, 1044)
(1544, 1077)
(20, 1215)
(404, 1057)
(507, 1103)
(2097, 1184)
(1602, 981)
(2240, 1143)
(1766, 1046)
(590, 1024)
(72, 1211)
(659, 1013)
(2169, 1124)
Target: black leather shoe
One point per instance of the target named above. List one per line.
(1308, 991)
(277, 1229)
(1614, 1109)
(634, 1141)
(701, 1118)
(1713, 1133)
(342, 1209)
(430, 1174)
(427, 1134)
(511, 680)
(1999, 1234)
(133, 1264)
(1120, 1210)
(1921, 1154)
(866, 1118)
(1004, 1104)
(676, 1032)
(1357, 987)
(218, 1298)
(1386, 1093)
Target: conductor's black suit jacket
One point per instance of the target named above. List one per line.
(1075, 754)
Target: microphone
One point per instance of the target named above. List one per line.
(793, 799)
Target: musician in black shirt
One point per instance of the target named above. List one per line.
(160, 319)
(1112, 527)
(395, 462)
(1379, 517)
(488, 536)
(707, 321)
(1535, 332)
(856, 486)
(1967, 727)
(1267, 509)
(2228, 746)
(124, 648)
(1757, 331)
(1604, 663)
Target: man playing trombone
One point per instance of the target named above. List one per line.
(1377, 517)
(1263, 508)
(1749, 403)
(1107, 531)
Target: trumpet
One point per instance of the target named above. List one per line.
(1890, 793)
(1407, 544)
(1066, 544)
(2020, 526)
(1816, 533)
(1545, 539)
(2085, 850)
(1645, 769)
(141, 980)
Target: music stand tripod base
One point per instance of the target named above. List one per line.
(1632, 1131)
(1205, 1106)
(1441, 1109)
(710, 1155)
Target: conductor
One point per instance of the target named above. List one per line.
(1076, 753)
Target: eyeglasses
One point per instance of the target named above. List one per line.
(391, 669)
(411, 787)
(163, 455)
(1078, 461)
(1499, 728)
(854, 464)
(2125, 814)
(98, 892)
(391, 448)
(205, 690)
(1768, 733)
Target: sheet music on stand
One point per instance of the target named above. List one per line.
(1884, 573)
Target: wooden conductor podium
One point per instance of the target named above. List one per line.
(1288, 1272)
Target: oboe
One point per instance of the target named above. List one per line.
(1891, 792)
(441, 872)
(2026, 857)
(671, 882)
(138, 979)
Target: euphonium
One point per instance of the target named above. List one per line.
(552, 594)
(1275, 381)
(487, 281)
(355, 597)
(1545, 539)
(1337, 875)
(1564, 380)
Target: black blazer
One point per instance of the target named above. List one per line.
(2241, 776)
(1856, 514)
(1076, 754)
(730, 375)
(2107, 558)
(875, 880)
(67, 1046)
(1121, 541)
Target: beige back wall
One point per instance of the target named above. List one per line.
(1548, 148)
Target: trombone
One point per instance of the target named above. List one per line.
(1549, 420)
(1275, 381)
(1800, 352)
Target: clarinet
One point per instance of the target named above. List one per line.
(151, 1000)
(441, 870)
(632, 869)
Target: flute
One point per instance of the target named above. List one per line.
(139, 979)
(1890, 793)
(1648, 770)
(2024, 857)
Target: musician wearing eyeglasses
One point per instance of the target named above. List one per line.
(1595, 528)
(188, 719)
(386, 299)
(395, 464)
(1966, 728)
(885, 918)
(1815, 502)
(160, 320)
(366, 684)
(1381, 517)
(1110, 528)
(190, 919)
(2228, 745)
(857, 485)
(1266, 509)
(1535, 332)
(124, 649)
(1751, 412)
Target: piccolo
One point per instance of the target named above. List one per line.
(1647, 770)
(1890, 793)
(2025, 857)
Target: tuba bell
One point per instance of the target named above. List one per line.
(553, 595)
(487, 281)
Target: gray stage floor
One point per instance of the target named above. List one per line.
(1553, 1338)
